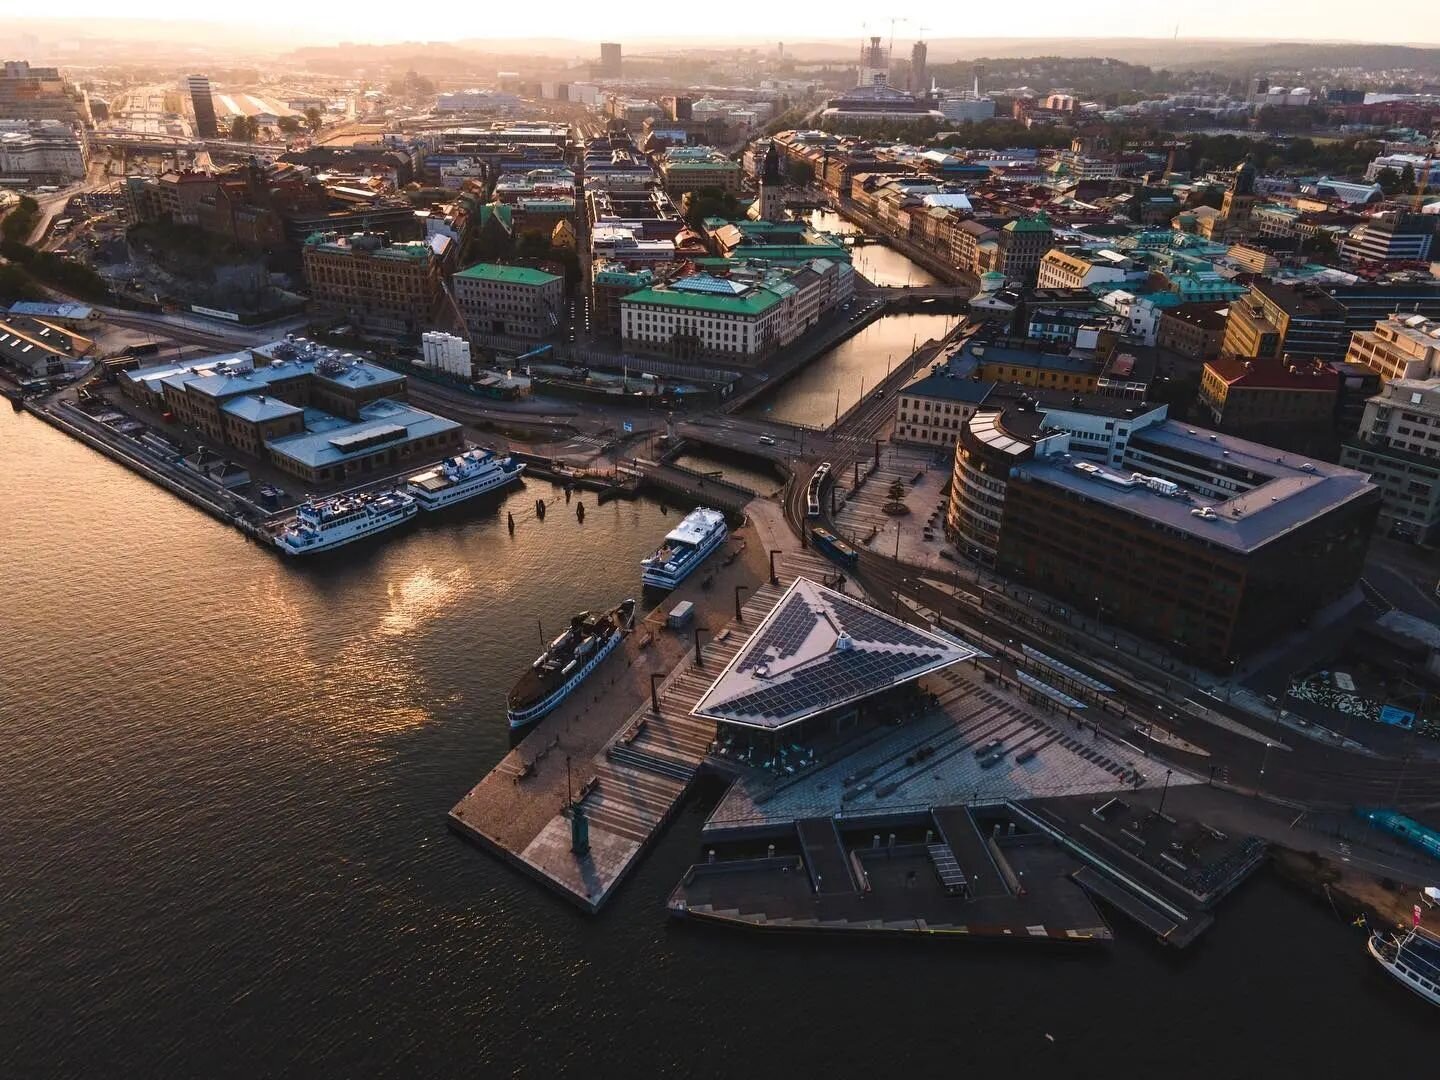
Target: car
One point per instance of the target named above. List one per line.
(989, 748)
(766, 440)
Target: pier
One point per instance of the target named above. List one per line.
(629, 764)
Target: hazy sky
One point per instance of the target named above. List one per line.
(1397, 21)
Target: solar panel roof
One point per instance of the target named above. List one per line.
(817, 650)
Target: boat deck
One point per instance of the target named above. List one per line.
(633, 765)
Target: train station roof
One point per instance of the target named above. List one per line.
(816, 651)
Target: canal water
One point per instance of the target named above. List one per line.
(223, 851)
(834, 381)
(880, 264)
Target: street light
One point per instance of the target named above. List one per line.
(1263, 759)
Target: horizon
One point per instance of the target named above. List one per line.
(389, 27)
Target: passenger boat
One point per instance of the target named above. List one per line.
(566, 662)
(462, 477)
(325, 524)
(1412, 958)
(686, 546)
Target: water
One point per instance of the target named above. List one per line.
(753, 476)
(223, 852)
(861, 361)
(880, 264)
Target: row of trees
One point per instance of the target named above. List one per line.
(247, 128)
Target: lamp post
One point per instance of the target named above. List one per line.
(774, 580)
(699, 654)
(1263, 759)
(739, 616)
(1163, 792)
(655, 677)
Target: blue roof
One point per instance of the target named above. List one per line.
(381, 422)
(951, 388)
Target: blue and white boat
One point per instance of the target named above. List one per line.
(686, 546)
(1412, 959)
(566, 662)
(325, 524)
(462, 477)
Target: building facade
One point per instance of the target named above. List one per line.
(509, 301)
(1398, 444)
(374, 282)
(1400, 347)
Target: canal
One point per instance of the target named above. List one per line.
(880, 264)
(834, 381)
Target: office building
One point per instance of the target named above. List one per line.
(610, 64)
(1398, 444)
(919, 74)
(43, 151)
(40, 93)
(740, 318)
(1294, 320)
(1081, 268)
(509, 301)
(698, 168)
(321, 415)
(202, 104)
(1020, 246)
(1209, 545)
(1400, 347)
(1290, 403)
(932, 411)
(375, 282)
(1390, 238)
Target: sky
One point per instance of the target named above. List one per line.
(1396, 21)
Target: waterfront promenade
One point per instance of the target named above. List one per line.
(628, 766)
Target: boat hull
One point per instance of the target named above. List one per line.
(519, 718)
(361, 532)
(1408, 977)
(659, 578)
(463, 492)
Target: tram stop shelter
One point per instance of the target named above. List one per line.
(821, 662)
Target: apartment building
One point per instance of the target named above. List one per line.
(698, 168)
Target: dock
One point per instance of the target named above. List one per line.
(629, 766)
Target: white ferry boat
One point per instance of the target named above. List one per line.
(325, 524)
(462, 477)
(686, 546)
(1412, 959)
(566, 662)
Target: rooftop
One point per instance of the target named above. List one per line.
(817, 650)
(380, 422)
(509, 275)
(1292, 491)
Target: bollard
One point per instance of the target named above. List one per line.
(770, 851)
(711, 857)
(928, 834)
(875, 840)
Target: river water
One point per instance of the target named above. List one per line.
(882, 265)
(223, 851)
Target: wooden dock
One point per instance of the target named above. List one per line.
(629, 765)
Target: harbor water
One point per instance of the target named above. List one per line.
(224, 852)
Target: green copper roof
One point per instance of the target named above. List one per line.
(510, 275)
(751, 304)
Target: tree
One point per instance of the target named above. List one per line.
(696, 206)
(1389, 180)
(1407, 179)
(289, 125)
(800, 174)
(314, 118)
(244, 129)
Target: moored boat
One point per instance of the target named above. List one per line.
(326, 524)
(686, 546)
(567, 661)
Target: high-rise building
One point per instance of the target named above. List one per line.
(610, 59)
(919, 77)
(1398, 444)
(40, 93)
(204, 106)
